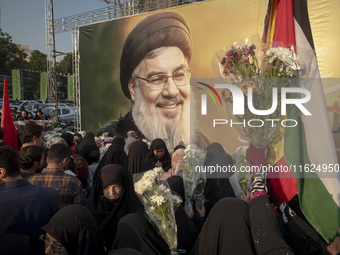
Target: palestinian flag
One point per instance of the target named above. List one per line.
(310, 143)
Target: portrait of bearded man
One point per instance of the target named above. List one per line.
(155, 76)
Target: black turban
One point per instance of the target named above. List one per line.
(158, 30)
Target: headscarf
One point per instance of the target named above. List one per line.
(219, 187)
(86, 146)
(176, 185)
(177, 161)
(157, 144)
(68, 138)
(138, 156)
(213, 150)
(107, 215)
(76, 229)
(118, 139)
(180, 146)
(114, 155)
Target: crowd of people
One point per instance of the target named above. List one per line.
(22, 114)
(66, 200)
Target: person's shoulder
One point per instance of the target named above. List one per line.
(111, 127)
(73, 180)
(36, 177)
(119, 126)
(43, 191)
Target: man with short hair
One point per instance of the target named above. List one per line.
(24, 208)
(31, 160)
(69, 187)
(32, 134)
(155, 76)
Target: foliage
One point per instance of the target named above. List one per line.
(11, 56)
(37, 61)
(65, 65)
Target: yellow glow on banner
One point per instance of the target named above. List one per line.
(16, 84)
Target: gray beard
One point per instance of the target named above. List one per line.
(152, 127)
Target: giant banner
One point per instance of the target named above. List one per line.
(214, 25)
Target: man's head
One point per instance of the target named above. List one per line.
(59, 156)
(32, 134)
(32, 157)
(156, 77)
(9, 164)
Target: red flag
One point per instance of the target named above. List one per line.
(280, 32)
(7, 124)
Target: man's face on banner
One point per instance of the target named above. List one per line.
(168, 105)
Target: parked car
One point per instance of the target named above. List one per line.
(24, 103)
(64, 114)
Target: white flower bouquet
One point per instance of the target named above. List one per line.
(258, 72)
(193, 178)
(160, 205)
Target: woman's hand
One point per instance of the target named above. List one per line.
(159, 164)
(189, 211)
(245, 196)
(334, 247)
(201, 211)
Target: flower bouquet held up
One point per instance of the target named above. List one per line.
(198, 193)
(241, 163)
(160, 205)
(193, 178)
(259, 76)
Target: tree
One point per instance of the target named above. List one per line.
(37, 61)
(11, 57)
(65, 65)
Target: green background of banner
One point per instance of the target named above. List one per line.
(16, 84)
(70, 88)
(43, 86)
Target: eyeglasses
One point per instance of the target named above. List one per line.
(181, 78)
(57, 248)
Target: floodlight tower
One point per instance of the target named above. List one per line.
(51, 56)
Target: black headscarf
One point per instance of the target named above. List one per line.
(68, 138)
(227, 230)
(75, 228)
(86, 146)
(219, 187)
(177, 186)
(114, 155)
(118, 139)
(107, 215)
(212, 151)
(157, 144)
(138, 155)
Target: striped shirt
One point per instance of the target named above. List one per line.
(69, 187)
